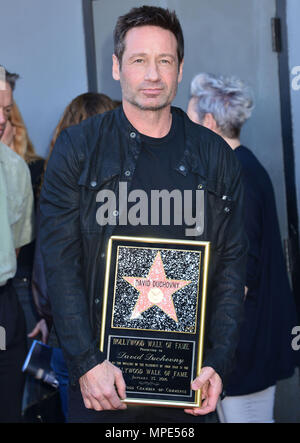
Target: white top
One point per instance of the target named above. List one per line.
(16, 210)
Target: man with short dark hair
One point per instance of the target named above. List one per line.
(148, 145)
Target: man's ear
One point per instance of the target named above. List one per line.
(115, 67)
(180, 71)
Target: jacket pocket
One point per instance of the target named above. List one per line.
(98, 204)
(221, 200)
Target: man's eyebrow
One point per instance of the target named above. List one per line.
(144, 54)
(167, 55)
(138, 54)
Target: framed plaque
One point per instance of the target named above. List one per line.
(153, 317)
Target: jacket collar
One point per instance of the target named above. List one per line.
(106, 167)
(190, 160)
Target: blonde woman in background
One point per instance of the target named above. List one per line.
(21, 144)
(82, 107)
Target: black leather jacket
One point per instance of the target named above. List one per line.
(95, 155)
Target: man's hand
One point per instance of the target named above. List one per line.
(40, 328)
(211, 384)
(103, 387)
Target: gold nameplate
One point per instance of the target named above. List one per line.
(153, 317)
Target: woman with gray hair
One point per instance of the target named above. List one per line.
(264, 354)
(222, 104)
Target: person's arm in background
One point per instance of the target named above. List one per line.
(16, 211)
(41, 327)
(39, 289)
(23, 228)
(62, 253)
(8, 138)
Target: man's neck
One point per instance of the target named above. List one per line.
(155, 124)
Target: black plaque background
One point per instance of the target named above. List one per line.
(159, 377)
(108, 330)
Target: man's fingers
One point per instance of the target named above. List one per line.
(120, 384)
(113, 399)
(210, 384)
(107, 398)
(200, 411)
(97, 401)
(202, 378)
(214, 393)
(87, 403)
(101, 403)
(204, 391)
(206, 407)
(96, 406)
(190, 411)
(100, 387)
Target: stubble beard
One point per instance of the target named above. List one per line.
(133, 100)
(147, 107)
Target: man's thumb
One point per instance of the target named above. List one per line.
(202, 378)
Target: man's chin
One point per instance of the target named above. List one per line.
(150, 106)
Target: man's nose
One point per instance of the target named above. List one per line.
(152, 72)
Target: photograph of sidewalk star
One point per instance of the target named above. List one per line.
(156, 289)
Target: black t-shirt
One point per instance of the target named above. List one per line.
(155, 171)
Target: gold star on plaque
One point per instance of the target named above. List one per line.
(156, 290)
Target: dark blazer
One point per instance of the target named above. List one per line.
(264, 354)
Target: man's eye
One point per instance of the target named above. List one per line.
(138, 60)
(165, 61)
